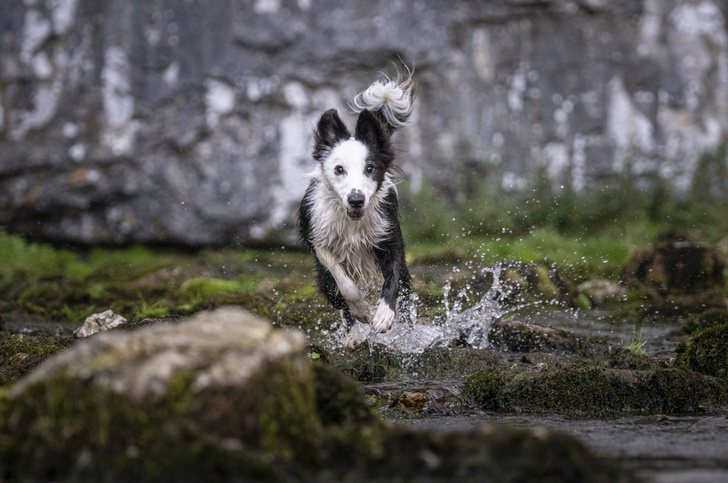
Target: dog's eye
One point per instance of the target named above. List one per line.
(370, 168)
(339, 170)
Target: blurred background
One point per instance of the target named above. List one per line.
(189, 122)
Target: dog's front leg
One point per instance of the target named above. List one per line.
(358, 307)
(394, 269)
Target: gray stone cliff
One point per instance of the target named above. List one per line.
(191, 122)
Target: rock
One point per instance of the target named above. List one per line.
(198, 136)
(98, 323)
(516, 336)
(675, 267)
(21, 353)
(223, 396)
(706, 352)
(221, 384)
(600, 292)
(224, 348)
(595, 391)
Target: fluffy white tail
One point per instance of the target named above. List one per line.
(391, 99)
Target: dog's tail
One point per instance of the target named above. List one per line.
(390, 100)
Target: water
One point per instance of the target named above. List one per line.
(468, 326)
(672, 448)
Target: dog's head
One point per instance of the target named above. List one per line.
(353, 166)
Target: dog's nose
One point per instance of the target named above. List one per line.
(356, 199)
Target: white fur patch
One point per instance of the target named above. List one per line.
(350, 243)
(350, 156)
(383, 317)
(392, 97)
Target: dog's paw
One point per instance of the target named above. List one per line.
(383, 317)
(355, 336)
(360, 311)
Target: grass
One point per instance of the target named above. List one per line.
(636, 345)
(590, 236)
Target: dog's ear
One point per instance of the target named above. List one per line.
(330, 130)
(371, 132)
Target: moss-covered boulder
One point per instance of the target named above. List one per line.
(675, 267)
(706, 352)
(225, 397)
(20, 353)
(220, 394)
(594, 390)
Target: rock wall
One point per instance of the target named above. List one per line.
(191, 121)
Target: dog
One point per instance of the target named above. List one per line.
(349, 215)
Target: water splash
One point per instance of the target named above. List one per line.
(463, 323)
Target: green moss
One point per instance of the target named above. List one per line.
(707, 352)
(202, 286)
(623, 358)
(703, 320)
(66, 429)
(20, 353)
(591, 390)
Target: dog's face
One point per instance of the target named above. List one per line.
(353, 166)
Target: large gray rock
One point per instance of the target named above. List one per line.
(223, 348)
(191, 122)
(225, 397)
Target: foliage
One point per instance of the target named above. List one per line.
(635, 344)
(635, 208)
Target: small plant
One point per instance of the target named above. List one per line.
(154, 311)
(635, 345)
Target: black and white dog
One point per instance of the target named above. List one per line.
(349, 215)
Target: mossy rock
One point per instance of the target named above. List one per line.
(217, 395)
(516, 336)
(707, 352)
(198, 401)
(623, 358)
(593, 390)
(675, 267)
(703, 320)
(20, 353)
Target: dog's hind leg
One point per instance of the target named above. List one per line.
(339, 288)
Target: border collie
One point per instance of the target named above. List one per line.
(349, 215)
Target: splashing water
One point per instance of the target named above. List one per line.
(469, 326)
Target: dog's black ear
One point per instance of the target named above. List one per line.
(371, 132)
(330, 130)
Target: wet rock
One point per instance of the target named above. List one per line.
(516, 336)
(675, 267)
(223, 396)
(703, 320)
(417, 399)
(600, 292)
(210, 386)
(653, 419)
(535, 281)
(98, 323)
(20, 353)
(592, 390)
(540, 367)
(706, 352)
(623, 358)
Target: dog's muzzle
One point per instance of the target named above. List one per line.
(356, 201)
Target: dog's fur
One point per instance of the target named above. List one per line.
(349, 215)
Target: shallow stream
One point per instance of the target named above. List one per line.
(660, 448)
